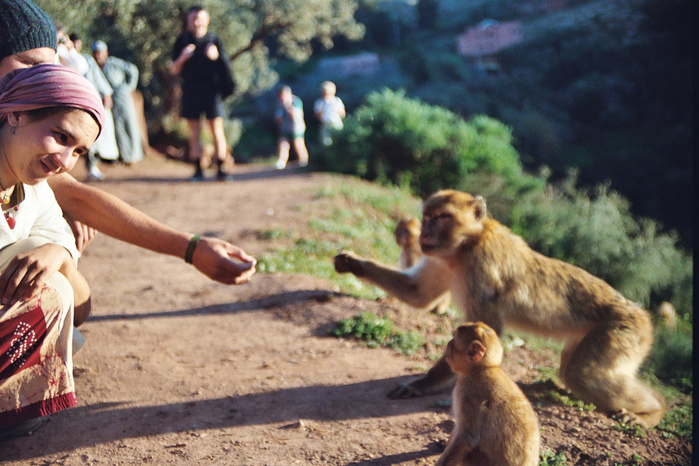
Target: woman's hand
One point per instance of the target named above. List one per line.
(26, 273)
(83, 233)
(223, 262)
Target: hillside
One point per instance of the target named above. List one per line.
(180, 370)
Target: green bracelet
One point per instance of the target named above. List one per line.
(190, 248)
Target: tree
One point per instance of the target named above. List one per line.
(427, 13)
(254, 33)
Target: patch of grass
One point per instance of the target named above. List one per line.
(678, 420)
(636, 431)
(441, 341)
(547, 373)
(551, 458)
(569, 400)
(350, 215)
(378, 331)
(390, 201)
(269, 235)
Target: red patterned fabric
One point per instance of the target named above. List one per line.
(20, 342)
(36, 370)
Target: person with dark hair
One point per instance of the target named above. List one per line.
(199, 59)
(50, 115)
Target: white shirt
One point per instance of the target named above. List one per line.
(39, 215)
(330, 111)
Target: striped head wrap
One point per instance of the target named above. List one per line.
(48, 85)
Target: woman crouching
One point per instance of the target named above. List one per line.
(49, 116)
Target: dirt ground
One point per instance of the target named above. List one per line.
(178, 369)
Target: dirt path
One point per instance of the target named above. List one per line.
(178, 369)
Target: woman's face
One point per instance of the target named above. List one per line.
(45, 146)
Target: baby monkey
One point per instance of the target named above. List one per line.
(495, 423)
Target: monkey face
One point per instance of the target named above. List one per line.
(450, 219)
(407, 231)
(456, 354)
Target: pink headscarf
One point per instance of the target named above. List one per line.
(48, 85)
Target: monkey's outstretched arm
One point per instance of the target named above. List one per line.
(439, 378)
(419, 286)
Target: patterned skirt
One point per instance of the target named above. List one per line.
(36, 354)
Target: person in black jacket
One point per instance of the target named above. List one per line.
(198, 57)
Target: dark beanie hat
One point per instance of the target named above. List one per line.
(24, 26)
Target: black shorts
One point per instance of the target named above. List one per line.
(194, 103)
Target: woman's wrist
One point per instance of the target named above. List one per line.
(191, 246)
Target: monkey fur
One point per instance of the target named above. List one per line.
(494, 422)
(494, 277)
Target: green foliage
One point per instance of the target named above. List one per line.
(349, 215)
(393, 139)
(427, 13)
(551, 458)
(378, 331)
(671, 358)
(252, 33)
(679, 420)
(255, 142)
(634, 430)
(569, 400)
(595, 230)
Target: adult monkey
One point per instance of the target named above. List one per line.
(494, 277)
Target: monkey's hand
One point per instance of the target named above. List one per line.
(623, 416)
(438, 379)
(406, 390)
(349, 262)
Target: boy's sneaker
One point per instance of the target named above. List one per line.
(280, 165)
(223, 176)
(198, 175)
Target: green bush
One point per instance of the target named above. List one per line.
(671, 358)
(393, 139)
(595, 230)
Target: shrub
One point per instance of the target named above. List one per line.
(671, 358)
(393, 139)
(595, 230)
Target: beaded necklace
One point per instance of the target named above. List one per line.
(8, 211)
(6, 198)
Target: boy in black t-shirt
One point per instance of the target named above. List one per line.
(198, 57)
